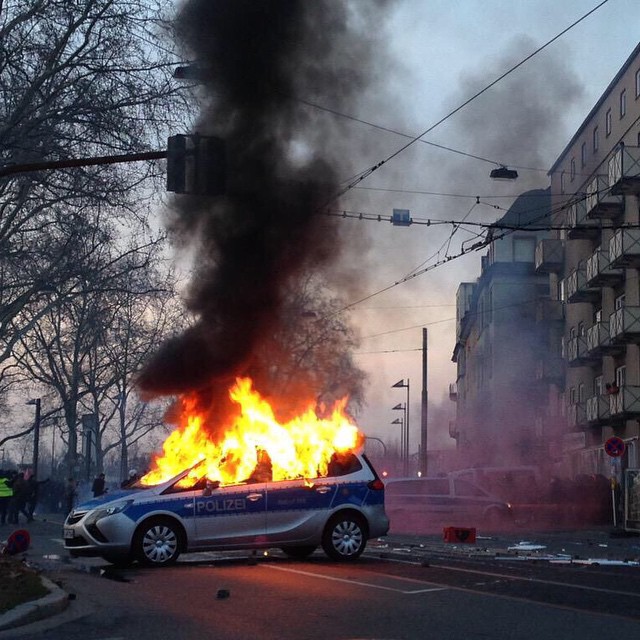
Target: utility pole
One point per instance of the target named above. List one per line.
(425, 407)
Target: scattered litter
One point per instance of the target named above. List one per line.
(527, 546)
(595, 562)
(223, 593)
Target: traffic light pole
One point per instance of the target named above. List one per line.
(13, 169)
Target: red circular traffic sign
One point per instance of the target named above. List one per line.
(614, 447)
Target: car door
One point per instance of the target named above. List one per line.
(298, 509)
(230, 516)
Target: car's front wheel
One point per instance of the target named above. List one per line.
(344, 537)
(157, 542)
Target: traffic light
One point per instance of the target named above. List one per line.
(196, 165)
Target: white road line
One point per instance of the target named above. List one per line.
(358, 582)
(509, 576)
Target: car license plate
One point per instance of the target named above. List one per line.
(68, 534)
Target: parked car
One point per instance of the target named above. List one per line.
(520, 484)
(443, 501)
(155, 524)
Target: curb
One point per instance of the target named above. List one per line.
(56, 601)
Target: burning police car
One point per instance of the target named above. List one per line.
(339, 511)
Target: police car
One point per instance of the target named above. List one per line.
(155, 524)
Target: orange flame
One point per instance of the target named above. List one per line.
(299, 448)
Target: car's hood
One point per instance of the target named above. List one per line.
(112, 496)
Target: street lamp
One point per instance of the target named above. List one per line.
(401, 384)
(400, 421)
(36, 435)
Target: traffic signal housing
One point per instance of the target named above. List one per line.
(196, 165)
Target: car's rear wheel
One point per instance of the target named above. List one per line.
(344, 537)
(157, 542)
(299, 552)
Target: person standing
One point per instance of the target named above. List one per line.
(98, 486)
(33, 493)
(18, 503)
(6, 494)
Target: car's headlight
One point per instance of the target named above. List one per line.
(98, 514)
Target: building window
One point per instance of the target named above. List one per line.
(619, 302)
(597, 316)
(598, 388)
(572, 169)
(607, 122)
(581, 394)
(562, 179)
(583, 154)
(623, 103)
(621, 376)
(572, 396)
(638, 83)
(595, 139)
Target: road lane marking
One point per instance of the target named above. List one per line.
(507, 576)
(361, 583)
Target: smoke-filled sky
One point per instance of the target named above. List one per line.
(447, 51)
(403, 66)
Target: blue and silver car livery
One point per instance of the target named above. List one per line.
(154, 525)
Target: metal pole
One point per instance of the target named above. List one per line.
(406, 439)
(425, 407)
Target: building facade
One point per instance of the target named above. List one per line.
(595, 184)
(507, 331)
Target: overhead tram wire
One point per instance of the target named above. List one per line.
(365, 174)
(475, 247)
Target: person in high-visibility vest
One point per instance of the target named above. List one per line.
(6, 493)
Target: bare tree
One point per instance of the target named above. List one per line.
(74, 347)
(79, 78)
(82, 78)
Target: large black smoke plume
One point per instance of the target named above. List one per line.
(258, 58)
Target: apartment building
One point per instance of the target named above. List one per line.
(507, 326)
(593, 263)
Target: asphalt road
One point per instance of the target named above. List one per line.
(397, 591)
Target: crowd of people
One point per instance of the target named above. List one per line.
(19, 495)
(21, 492)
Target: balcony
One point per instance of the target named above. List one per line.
(599, 270)
(579, 226)
(624, 171)
(549, 256)
(577, 288)
(600, 202)
(598, 340)
(624, 248)
(598, 409)
(576, 352)
(549, 311)
(453, 391)
(625, 404)
(551, 370)
(624, 325)
(577, 415)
